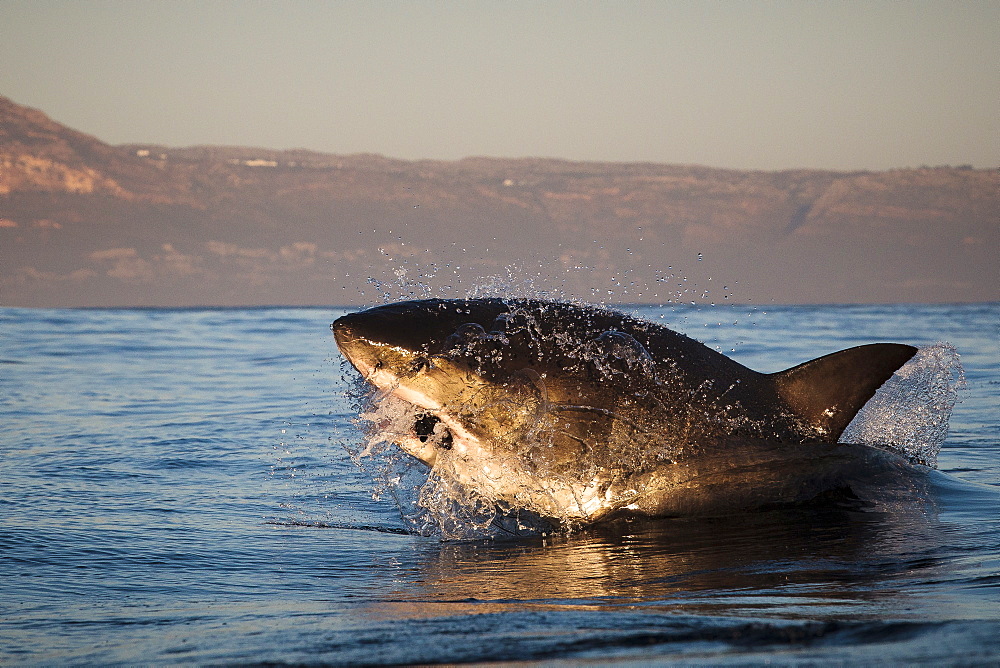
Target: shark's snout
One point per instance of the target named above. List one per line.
(356, 326)
(341, 330)
(349, 341)
(416, 326)
(383, 344)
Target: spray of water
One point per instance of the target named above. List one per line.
(909, 414)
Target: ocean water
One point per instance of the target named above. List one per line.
(175, 488)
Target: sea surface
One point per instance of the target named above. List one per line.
(175, 488)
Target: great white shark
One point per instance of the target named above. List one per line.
(578, 413)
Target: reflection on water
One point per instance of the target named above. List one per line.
(810, 561)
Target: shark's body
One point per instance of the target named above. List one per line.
(576, 412)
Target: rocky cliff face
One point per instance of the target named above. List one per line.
(85, 223)
(39, 155)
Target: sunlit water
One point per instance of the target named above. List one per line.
(175, 489)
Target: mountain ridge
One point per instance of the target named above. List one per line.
(85, 223)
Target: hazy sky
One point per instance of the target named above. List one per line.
(768, 85)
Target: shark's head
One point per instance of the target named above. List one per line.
(414, 351)
(508, 403)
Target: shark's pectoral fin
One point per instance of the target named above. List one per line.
(827, 392)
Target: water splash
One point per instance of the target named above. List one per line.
(909, 414)
(594, 278)
(431, 501)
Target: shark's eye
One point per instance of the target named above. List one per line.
(419, 365)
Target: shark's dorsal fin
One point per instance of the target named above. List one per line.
(827, 392)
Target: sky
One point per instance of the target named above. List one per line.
(742, 85)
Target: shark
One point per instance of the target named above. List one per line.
(578, 413)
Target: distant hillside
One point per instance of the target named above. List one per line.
(85, 223)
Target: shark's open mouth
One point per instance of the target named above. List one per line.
(428, 427)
